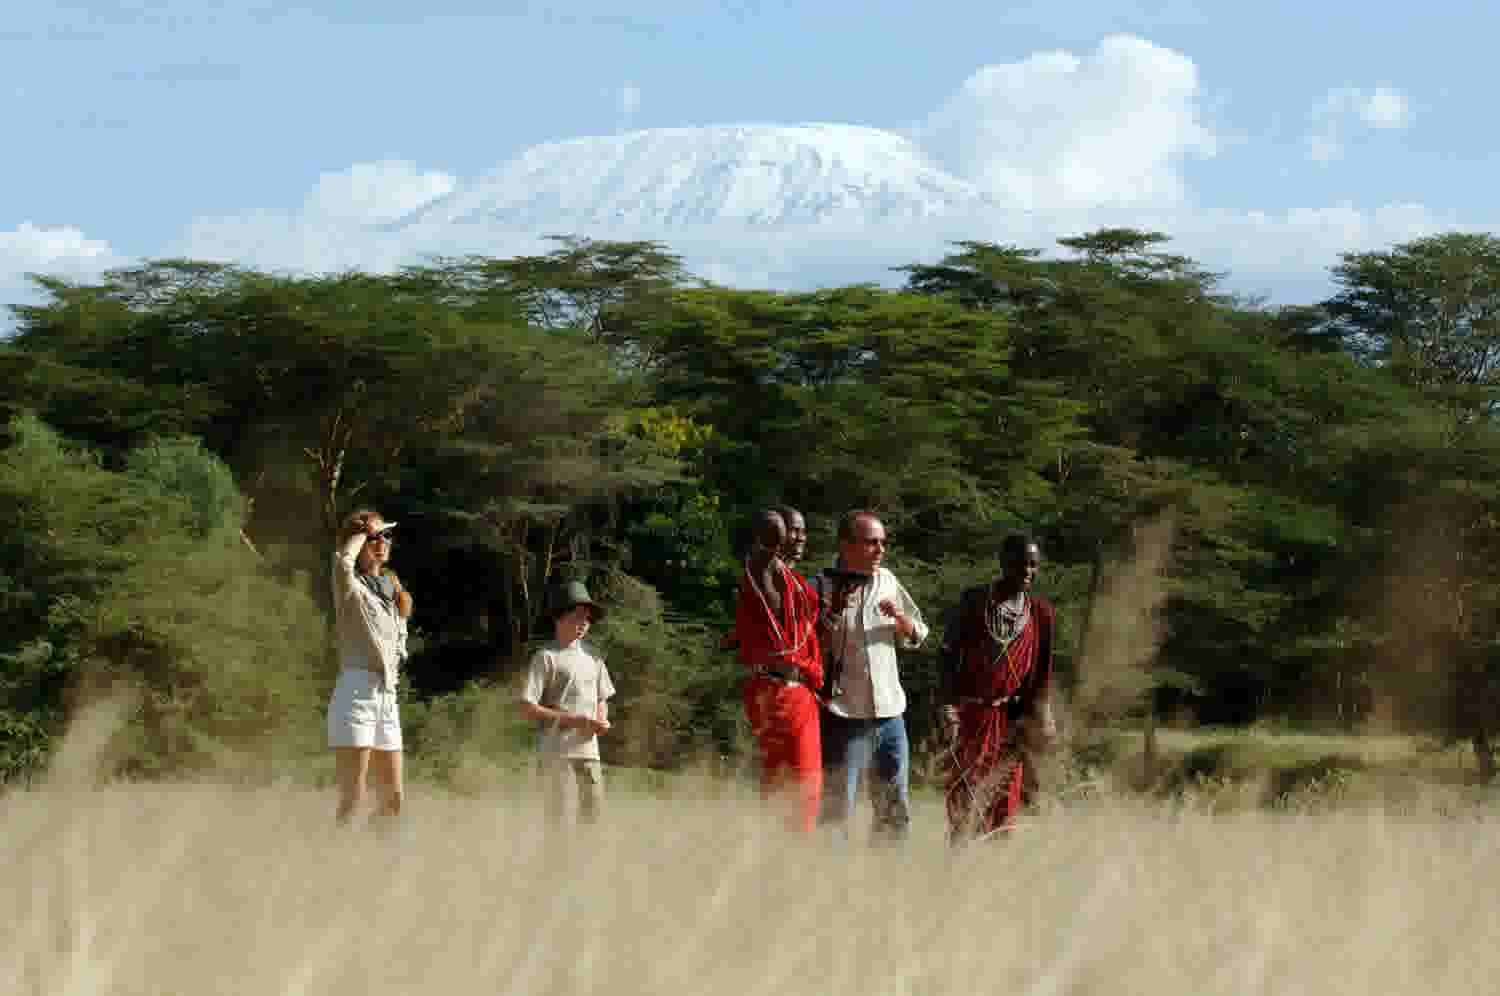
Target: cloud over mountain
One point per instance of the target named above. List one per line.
(1054, 144)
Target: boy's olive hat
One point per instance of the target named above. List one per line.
(565, 597)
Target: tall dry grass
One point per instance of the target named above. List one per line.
(199, 889)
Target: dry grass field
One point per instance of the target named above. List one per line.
(181, 890)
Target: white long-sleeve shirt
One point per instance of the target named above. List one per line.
(371, 636)
(866, 642)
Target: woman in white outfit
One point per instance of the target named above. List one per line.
(364, 727)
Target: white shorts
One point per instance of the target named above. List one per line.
(362, 714)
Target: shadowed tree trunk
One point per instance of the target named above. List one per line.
(1485, 755)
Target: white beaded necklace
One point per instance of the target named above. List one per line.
(807, 630)
(1005, 621)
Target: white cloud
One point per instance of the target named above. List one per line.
(1382, 108)
(1385, 108)
(51, 249)
(341, 224)
(376, 193)
(1323, 147)
(56, 251)
(1059, 130)
(1287, 250)
(630, 99)
(1284, 253)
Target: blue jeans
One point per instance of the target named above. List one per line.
(850, 748)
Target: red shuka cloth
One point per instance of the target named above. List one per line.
(985, 784)
(784, 717)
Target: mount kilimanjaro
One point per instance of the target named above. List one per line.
(766, 177)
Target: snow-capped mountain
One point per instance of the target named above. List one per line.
(762, 176)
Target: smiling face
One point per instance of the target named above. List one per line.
(1021, 569)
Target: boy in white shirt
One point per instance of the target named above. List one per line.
(567, 693)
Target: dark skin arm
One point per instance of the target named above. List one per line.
(1040, 728)
(768, 581)
(948, 671)
(770, 535)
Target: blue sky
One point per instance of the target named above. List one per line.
(125, 121)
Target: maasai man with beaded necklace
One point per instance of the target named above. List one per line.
(775, 623)
(790, 553)
(997, 668)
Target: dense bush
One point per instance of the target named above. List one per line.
(136, 583)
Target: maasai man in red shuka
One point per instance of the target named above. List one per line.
(775, 622)
(997, 653)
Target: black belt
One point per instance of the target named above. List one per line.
(988, 703)
(787, 676)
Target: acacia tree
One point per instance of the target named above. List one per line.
(1429, 310)
(276, 373)
(1428, 313)
(531, 480)
(585, 285)
(859, 397)
(72, 360)
(1192, 404)
(322, 391)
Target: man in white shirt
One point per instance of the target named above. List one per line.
(864, 726)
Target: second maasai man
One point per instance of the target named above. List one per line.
(776, 618)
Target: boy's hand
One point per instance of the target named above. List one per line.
(586, 723)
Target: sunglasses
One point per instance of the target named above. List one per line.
(385, 536)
